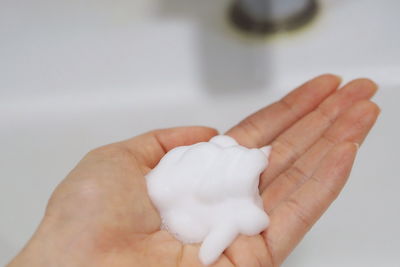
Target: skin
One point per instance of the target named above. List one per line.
(101, 215)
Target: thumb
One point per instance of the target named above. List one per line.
(150, 147)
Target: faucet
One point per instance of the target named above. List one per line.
(267, 16)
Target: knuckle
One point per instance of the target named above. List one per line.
(296, 175)
(331, 192)
(286, 149)
(325, 115)
(112, 152)
(250, 127)
(298, 211)
(290, 108)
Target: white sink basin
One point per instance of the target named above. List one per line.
(78, 74)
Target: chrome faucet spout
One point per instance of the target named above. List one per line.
(264, 16)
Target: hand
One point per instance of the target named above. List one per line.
(101, 215)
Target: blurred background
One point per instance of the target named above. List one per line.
(78, 74)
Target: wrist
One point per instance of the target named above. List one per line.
(39, 251)
(48, 246)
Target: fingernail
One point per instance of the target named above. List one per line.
(357, 145)
(379, 110)
(339, 77)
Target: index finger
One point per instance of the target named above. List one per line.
(260, 128)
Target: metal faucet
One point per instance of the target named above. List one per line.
(266, 16)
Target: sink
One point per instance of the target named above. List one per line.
(75, 75)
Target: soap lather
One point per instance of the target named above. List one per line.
(208, 192)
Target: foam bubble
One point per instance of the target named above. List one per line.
(208, 192)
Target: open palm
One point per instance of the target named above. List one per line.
(101, 215)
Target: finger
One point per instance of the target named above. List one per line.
(190, 257)
(294, 217)
(152, 146)
(352, 126)
(260, 128)
(288, 147)
(248, 251)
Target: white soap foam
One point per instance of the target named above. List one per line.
(208, 192)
